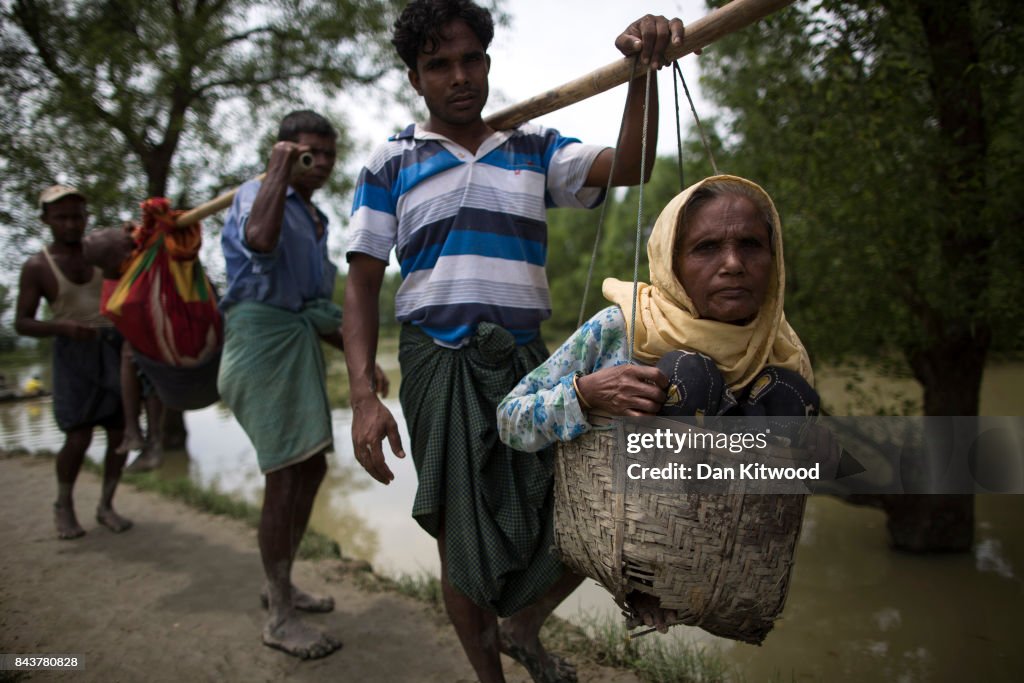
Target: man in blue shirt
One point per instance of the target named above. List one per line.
(277, 309)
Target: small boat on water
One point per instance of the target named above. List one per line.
(13, 396)
(11, 392)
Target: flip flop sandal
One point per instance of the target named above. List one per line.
(333, 646)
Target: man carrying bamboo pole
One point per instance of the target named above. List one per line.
(277, 308)
(464, 205)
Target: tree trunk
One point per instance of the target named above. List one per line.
(157, 164)
(950, 364)
(950, 371)
(928, 524)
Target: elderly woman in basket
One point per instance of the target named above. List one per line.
(711, 337)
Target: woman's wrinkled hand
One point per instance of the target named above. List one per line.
(624, 390)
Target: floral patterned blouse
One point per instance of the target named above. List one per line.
(543, 407)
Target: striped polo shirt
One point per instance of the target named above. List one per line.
(469, 231)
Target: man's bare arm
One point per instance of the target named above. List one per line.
(380, 379)
(371, 420)
(362, 322)
(335, 339)
(263, 229)
(648, 37)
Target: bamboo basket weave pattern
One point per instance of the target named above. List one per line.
(722, 561)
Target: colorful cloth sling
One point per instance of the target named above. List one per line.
(164, 304)
(165, 307)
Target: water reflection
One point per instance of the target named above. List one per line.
(856, 610)
(225, 460)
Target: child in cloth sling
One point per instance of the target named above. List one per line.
(158, 296)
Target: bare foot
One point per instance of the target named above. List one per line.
(132, 441)
(66, 522)
(645, 610)
(543, 666)
(148, 460)
(299, 639)
(113, 521)
(301, 600)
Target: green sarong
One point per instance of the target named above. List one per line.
(496, 502)
(272, 377)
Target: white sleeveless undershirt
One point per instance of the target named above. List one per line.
(80, 303)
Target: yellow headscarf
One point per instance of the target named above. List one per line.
(668, 320)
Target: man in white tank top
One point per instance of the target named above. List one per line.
(86, 353)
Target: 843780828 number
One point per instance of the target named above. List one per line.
(18, 662)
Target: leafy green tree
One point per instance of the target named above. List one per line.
(129, 99)
(889, 132)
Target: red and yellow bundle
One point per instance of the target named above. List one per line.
(164, 304)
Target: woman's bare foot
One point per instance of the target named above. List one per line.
(113, 521)
(646, 610)
(543, 666)
(301, 600)
(66, 522)
(131, 441)
(298, 639)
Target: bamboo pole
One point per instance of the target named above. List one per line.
(736, 15)
(223, 201)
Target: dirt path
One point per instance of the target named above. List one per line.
(175, 599)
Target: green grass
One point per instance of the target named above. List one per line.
(20, 357)
(424, 586)
(655, 659)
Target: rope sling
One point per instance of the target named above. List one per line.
(721, 561)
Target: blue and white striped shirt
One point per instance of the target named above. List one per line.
(470, 231)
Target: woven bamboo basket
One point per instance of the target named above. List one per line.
(722, 561)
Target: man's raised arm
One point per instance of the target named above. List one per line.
(648, 37)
